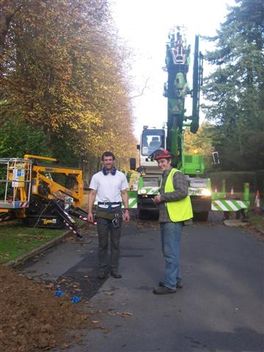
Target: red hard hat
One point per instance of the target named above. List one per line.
(162, 154)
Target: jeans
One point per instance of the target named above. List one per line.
(170, 241)
(104, 227)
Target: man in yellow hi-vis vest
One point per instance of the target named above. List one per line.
(174, 207)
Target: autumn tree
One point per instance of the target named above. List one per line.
(61, 72)
(14, 139)
(200, 142)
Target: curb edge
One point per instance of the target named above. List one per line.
(22, 259)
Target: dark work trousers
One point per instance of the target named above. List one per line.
(104, 228)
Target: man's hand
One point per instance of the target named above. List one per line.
(157, 199)
(90, 217)
(91, 199)
(126, 216)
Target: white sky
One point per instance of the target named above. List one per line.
(144, 25)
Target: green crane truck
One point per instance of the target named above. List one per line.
(171, 136)
(145, 184)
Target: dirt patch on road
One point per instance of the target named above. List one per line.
(32, 318)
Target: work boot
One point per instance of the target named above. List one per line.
(102, 274)
(163, 290)
(115, 274)
(178, 284)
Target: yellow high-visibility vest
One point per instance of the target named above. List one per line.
(179, 210)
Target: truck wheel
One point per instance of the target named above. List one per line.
(201, 216)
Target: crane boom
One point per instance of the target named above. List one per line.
(176, 89)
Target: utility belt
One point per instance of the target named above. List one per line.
(109, 204)
(113, 214)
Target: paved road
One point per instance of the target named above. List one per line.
(220, 308)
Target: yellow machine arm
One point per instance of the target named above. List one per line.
(39, 157)
(44, 185)
(47, 180)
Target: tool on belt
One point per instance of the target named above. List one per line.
(114, 215)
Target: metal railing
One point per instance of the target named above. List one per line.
(15, 183)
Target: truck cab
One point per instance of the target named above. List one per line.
(151, 140)
(148, 184)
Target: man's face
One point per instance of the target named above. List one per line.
(164, 164)
(108, 162)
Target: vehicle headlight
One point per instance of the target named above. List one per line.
(143, 191)
(206, 192)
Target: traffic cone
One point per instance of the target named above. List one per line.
(232, 193)
(257, 203)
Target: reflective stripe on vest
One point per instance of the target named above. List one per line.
(178, 210)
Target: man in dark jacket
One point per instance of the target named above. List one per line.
(175, 207)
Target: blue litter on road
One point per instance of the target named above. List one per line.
(59, 293)
(75, 299)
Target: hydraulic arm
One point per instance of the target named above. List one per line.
(43, 195)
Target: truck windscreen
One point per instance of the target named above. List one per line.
(152, 139)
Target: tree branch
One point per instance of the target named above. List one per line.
(142, 91)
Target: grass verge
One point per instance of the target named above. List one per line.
(17, 240)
